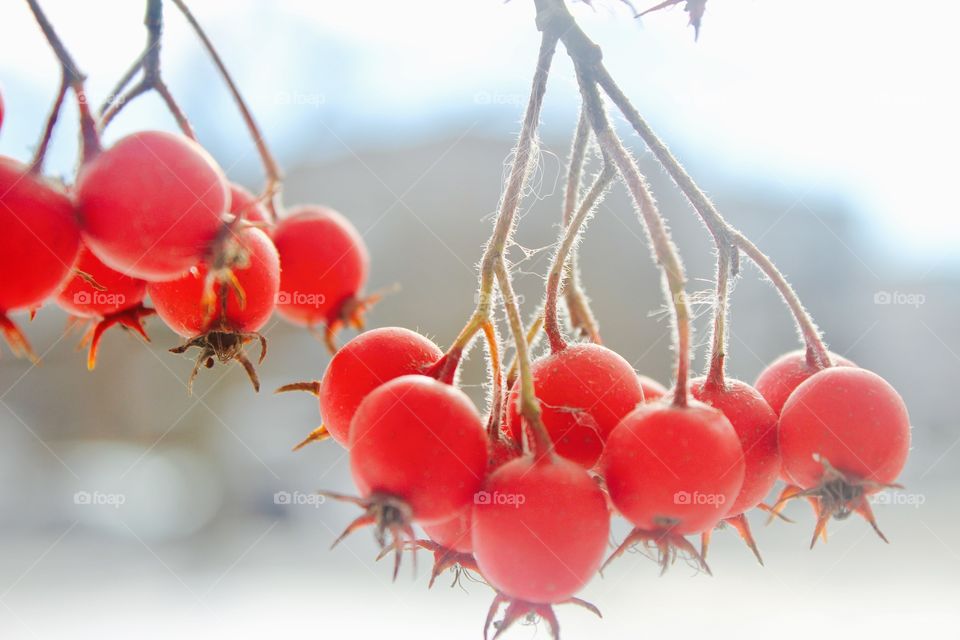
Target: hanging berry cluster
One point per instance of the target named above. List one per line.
(523, 496)
(154, 216)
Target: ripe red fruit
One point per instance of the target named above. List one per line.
(220, 309)
(38, 244)
(107, 297)
(360, 366)
(652, 390)
(245, 203)
(844, 434)
(783, 375)
(540, 529)
(151, 204)
(672, 471)
(756, 426)
(584, 390)
(325, 266)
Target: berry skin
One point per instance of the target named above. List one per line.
(783, 375)
(38, 244)
(363, 364)
(453, 533)
(151, 204)
(180, 303)
(756, 426)
(853, 419)
(244, 202)
(325, 265)
(676, 469)
(114, 291)
(419, 441)
(540, 532)
(584, 390)
(652, 390)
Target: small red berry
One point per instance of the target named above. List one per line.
(325, 265)
(38, 244)
(540, 529)
(152, 204)
(783, 375)
(244, 203)
(221, 309)
(584, 390)
(652, 390)
(104, 296)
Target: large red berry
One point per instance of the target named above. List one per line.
(453, 533)
(756, 427)
(676, 469)
(324, 266)
(419, 441)
(250, 297)
(584, 391)
(783, 375)
(540, 529)
(109, 291)
(152, 204)
(244, 203)
(363, 364)
(852, 420)
(39, 237)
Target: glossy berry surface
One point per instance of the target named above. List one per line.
(783, 375)
(180, 303)
(113, 292)
(673, 468)
(756, 427)
(850, 417)
(151, 204)
(40, 237)
(540, 529)
(325, 265)
(584, 391)
(363, 364)
(421, 441)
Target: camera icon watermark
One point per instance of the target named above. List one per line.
(899, 298)
(298, 499)
(498, 498)
(102, 298)
(497, 98)
(698, 498)
(99, 498)
(315, 300)
(915, 500)
(300, 98)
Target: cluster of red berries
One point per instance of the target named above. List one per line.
(153, 216)
(535, 523)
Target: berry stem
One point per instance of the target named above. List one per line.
(578, 307)
(666, 253)
(718, 348)
(270, 166)
(37, 165)
(496, 378)
(90, 138)
(152, 79)
(725, 236)
(565, 252)
(533, 336)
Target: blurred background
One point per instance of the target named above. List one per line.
(826, 131)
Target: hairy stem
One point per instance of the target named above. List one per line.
(90, 138)
(564, 256)
(666, 254)
(496, 378)
(718, 348)
(533, 336)
(270, 166)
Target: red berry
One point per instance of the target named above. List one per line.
(38, 245)
(540, 529)
(109, 292)
(244, 202)
(756, 427)
(419, 441)
(152, 204)
(783, 375)
(676, 469)
(652, 390)
(453, 533)
(324, 266)
(850, 418)
(249, 301)
(584, 391)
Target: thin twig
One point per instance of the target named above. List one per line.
(37, 165)
(270, 166)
